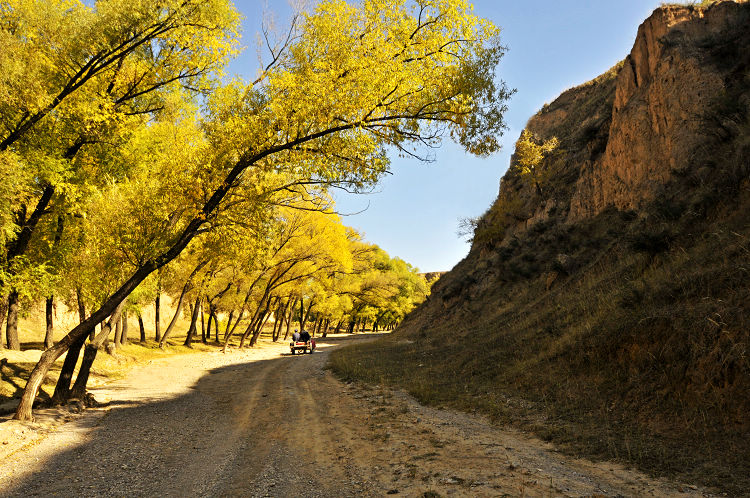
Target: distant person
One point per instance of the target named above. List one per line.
(304, 336)
(296, 335)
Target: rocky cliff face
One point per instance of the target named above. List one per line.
(664, 88)
(625, 134)
(626, 138)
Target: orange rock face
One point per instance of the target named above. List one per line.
(661, 91)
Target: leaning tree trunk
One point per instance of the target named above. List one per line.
(262, 320)
(193, 323)
(48, 339)
(180, 301)
(250, 329)
(239, 318)
(47, 359)
(89, 354)
(229, 324)
(280, 316)
(141, 327)
(259, 329)
(48, 308)
(231, 332)
(257, 317)
(278, 322)
(11, 329)
(62, 388)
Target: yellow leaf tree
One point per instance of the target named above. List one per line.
(529, 155)
(355, 81)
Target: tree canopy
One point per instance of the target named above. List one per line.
(118, 134)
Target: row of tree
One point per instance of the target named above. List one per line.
(306, 267)
(128, 161)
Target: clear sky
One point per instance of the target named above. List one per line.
(552, 46)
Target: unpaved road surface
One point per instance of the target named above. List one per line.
(265, 423)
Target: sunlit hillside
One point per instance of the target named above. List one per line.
(605, 303)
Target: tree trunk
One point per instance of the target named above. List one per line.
(3, 315)
(157, 311)
(207, 335)
(124, 336)
(62, 388)
(216, 326)
(11, 329)
(338, 327)
(48, 305)
(283, 318)
(239, 318)
(304, 315)
(81, 306)
(193, 321)
(79, 388)
(141, 327)
(257, 317)
(289, 318)
(231, 332)
(203, 326)
(259, 329)
(325, 327)
(185, 288)
(48, 339)
(229, 323)
(177, 312)
(278, 321)
(118, 334)
(276, 332)
(89, 354)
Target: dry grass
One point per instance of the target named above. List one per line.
(640, 356)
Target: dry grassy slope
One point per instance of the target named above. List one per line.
(619, 326)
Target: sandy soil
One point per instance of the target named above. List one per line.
(265, 423)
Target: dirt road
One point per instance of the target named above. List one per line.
(265, 423)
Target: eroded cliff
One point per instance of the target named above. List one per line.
(627, 133)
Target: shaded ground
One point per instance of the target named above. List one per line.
(265, 423)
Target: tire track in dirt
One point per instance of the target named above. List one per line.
(262, 423)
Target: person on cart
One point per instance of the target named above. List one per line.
(304, 336)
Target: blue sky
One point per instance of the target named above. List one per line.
(553, 45)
